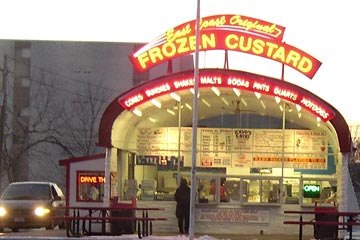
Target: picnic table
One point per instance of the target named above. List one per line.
(123, 220)
(327, 221)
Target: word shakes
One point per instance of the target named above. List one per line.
(209, 78)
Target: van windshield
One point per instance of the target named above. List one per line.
(26, 192)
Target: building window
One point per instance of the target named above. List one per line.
(318, 190)
(90, 186)
(262, 190)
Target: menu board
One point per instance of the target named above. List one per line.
(152, 141)
(225, 147)
(158, 145)
(311, 148)
(214, 147)
(271, 146)
(242, 148)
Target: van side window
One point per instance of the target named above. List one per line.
(54, 192)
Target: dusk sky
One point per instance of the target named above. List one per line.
(327, 30)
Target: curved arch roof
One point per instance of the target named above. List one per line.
(118, 119)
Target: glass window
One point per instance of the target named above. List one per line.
(253, 190)
(90, 185)
(27, 192)
(261, 190)
(232, 189)
(291, 190)
(319, 190)
(206, 190)
(270, 191)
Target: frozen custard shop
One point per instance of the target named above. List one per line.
(264, 145)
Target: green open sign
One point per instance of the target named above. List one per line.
(311, 190)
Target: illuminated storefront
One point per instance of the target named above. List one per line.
(276, 143)
(265, 143)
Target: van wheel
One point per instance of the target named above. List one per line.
(62, 225)
(50, 226)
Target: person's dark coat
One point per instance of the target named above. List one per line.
(182, 198)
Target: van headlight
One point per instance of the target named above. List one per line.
(2, 211)
(40, 211)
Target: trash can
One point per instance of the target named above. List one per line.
(323, 213)
(119, 227)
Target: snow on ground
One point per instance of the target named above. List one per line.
(123, 237)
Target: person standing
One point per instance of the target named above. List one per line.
(182, 198)
(93, 193)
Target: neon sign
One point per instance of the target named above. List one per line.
(226, 79)
(92, 179)
(311, 190)
(226, 32)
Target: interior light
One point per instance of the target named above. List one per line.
(244, 102)
(258, 95)
(288, 108)
(175, 96)
(298, 107)
(299, 114)
(277, 99)
(281, 108)
(152, 119)
(216, 91)
(225, 101)
(265, 170)
(237, 92)
(206, 102)
(156, 103)
(171, 112)
(262, 104)
(318, 119)
(193, 92)
(137, 112)
(176, 106)
(188, 106)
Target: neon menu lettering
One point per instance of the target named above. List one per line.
(226, 79)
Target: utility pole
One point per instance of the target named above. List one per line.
(3, 113)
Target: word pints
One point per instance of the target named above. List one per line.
(225, 79)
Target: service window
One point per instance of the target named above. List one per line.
(270, 191)
(291, 192)
(261, 190)
(207, 190)
(253, 190)
(232, 189)
(90, 186)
